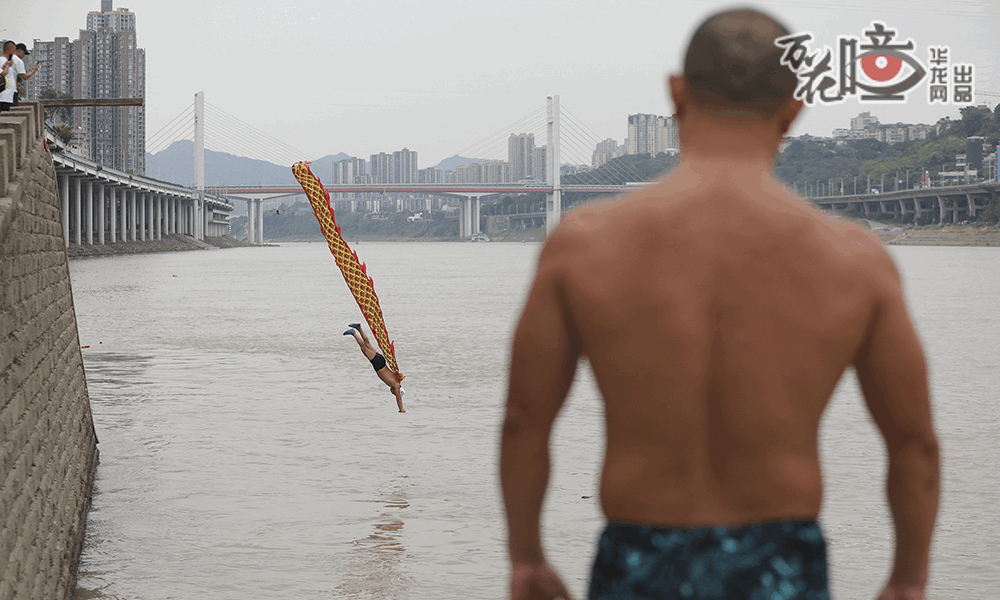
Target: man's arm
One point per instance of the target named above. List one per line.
(893, 377)
(399, 398)
(27, 76)
(543, 362)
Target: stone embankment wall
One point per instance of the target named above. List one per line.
(48, 447)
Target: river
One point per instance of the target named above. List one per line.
(248, 451)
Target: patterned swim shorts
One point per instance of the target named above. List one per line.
(783, 560)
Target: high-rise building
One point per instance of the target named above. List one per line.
(643, 130)
(606, 151)
(431, 175)
(381, 164)
(404, 166)
(494, 171)
(864, 120)
(538, 166)
(669, 140)
(651, 134)
(520, 154)
(398, 167)
(349, 171)
(105, 62)
(55, 67)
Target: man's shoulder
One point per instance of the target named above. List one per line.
(853, 237)
(863, 252)
(602, 214)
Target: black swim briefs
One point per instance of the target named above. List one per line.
(783, 560)
(378, 362)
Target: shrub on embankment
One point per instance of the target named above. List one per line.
(300, 225)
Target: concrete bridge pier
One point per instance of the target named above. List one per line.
(154, 215)
(131, 214)
(902, 209)
(101, 212)
(468, 216)
(464, 218)
(971, 202)
(77, 225)
(143, 216)
(168, 226)
(943, 210)
(113, 213)
(159, 217)
(123, 215)
(89, 210)
(250, 222)
(260, 221)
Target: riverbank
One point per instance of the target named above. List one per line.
(940, 235)
(170, 243)
(509, 235)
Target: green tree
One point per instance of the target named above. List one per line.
(56, 115)
(65, 132)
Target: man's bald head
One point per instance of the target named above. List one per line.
(733, 63)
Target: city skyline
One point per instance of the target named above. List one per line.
(103, 62)
(364, 78)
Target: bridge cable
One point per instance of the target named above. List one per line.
(165, 132)
(284, 150)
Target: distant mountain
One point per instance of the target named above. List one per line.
(175, 164)
(323, 167)
(449, 164)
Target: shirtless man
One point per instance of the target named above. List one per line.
(718, 312)
(378, 363)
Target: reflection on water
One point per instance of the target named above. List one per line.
(248, 451)
(378, 561)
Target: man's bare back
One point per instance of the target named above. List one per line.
(720, 313)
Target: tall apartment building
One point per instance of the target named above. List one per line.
(55, 67)
(520, 155)
(642, 134)
(669, 140)
(404, 164)
(606, 151)
(489, 171)
(651, 134)
(398, 167)
(430, 175)
(381, 164)
(864, 120)
(538, 166)
(105, 62)
(350, 170)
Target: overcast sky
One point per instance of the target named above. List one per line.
(436, 76)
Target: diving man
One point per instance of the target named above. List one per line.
(378, 363)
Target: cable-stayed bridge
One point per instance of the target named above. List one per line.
(566, 141)
(101, 202)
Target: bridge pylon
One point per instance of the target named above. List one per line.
(553, 201)
(199, 225)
